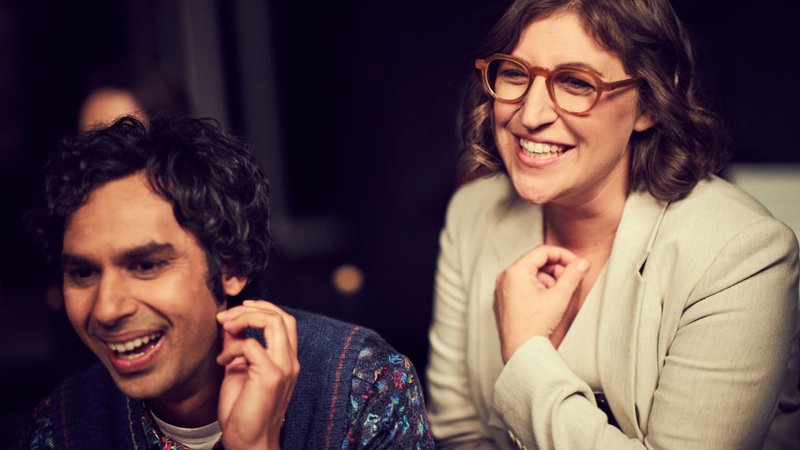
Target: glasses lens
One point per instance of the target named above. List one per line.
(507, 79)
(574, 91)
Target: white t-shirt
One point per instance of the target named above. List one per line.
(202, 438)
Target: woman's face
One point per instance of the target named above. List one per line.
(559, 158)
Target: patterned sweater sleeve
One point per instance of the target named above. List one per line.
(38, 433)
(387, 407)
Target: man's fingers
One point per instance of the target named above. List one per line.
(279, 330)
(276, 381)
(288, 320)
(233, 353)
(236, 324)
(257, 359)
(279, 345)
(249, 306)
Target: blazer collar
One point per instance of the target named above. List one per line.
(638, 227)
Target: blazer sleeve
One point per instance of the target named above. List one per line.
(722, 374)
(451, 412)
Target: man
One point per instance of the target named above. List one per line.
(160, 230)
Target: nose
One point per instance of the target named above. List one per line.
(537, 108)
(113, 302)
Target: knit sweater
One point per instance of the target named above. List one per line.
(353, 391)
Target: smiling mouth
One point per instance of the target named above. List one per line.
(538, 150)
(135, 347)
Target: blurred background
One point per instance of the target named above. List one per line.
(352, 110)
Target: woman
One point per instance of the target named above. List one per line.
(598, 286)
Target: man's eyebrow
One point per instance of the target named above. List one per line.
(145, 251)
(139, 252)
(68, 259)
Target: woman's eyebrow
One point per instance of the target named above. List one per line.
(581, 65)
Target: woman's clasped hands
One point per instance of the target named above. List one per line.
(532, 295)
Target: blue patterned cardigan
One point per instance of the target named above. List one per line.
(88, 411)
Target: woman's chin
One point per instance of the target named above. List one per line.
(531, 192)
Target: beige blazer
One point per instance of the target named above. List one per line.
(697, 334)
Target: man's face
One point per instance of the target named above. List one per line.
(135, 290)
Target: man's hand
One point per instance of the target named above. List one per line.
(258, 382)
(531, 295)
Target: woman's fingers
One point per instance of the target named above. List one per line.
(532, 294)
(546, 279)
(544, 256)
(567, 282)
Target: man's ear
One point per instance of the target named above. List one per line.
(644, 122)
(232, 285)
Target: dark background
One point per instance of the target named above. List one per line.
(352, 108)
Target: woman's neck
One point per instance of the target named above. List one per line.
(589, 233)
(586, 220)
(585, 230)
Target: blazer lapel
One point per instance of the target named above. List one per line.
(620, 333)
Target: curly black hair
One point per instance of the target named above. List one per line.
(217, 191)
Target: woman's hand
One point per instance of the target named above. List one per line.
(258, 382)
(531, 295)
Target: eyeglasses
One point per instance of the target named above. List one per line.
(573, 90)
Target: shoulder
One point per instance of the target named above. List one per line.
(482, 194)
(485, 188)
(370, 349)
(309, 319)
(92, 384)
(717, 196)
(484, 203)
(323, 333)
(86, 395)
(377, 362)
(717, 237)
(386, 400)
(365, 348)
(385, 406)
(717, 213)
(38, 431)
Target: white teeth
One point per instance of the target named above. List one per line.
(124, 347)
(539, 148)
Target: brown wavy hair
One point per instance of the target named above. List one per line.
(688, 142)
